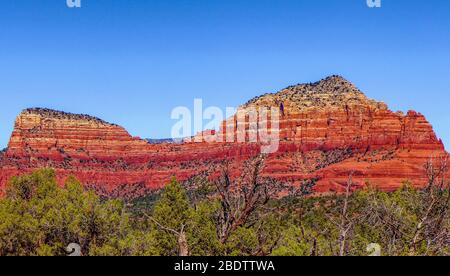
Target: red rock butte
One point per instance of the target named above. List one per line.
(328, 130)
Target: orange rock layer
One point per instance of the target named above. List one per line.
(328, 130)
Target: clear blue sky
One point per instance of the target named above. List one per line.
(131, 61)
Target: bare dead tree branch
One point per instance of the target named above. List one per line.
(183, 247)
(241, 198)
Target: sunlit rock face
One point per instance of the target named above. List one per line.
(328, 130)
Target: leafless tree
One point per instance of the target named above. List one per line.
(436, 169)
(183, 247)
(346, 220)
(240, 198)
(346, 223)
(387, 216)
(436, 199)
(430, 207)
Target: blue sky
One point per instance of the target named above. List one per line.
(132, 61)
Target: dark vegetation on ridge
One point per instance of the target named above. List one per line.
(50, 113)
(334, 90)
(334, 83)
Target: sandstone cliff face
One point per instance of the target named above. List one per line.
(328, 130)
(47, 133)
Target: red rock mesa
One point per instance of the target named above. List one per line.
(328, 130)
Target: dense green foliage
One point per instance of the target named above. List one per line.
(38, 217)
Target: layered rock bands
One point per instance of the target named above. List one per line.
(328, 130)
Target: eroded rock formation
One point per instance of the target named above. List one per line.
(328, 130)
